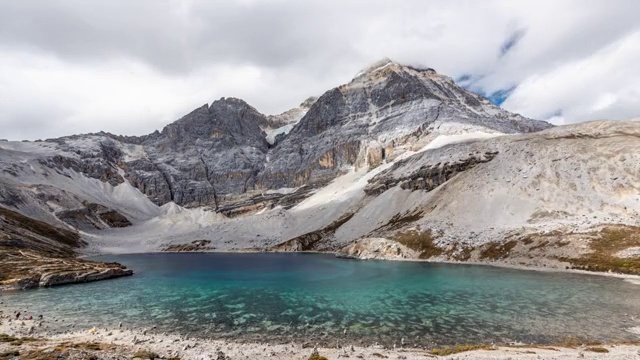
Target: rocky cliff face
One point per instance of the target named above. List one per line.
(210, 153)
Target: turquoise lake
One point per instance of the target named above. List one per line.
(320, 299)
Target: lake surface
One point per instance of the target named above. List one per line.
(320, 299)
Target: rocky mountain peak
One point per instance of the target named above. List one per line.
(386, 66)
(232, 103)
(229, 120)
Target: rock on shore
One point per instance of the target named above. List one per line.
(36, 254)
(377, 248)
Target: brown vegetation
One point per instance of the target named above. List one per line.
(420, 241)
(34, 253)
(605, 245)
(196, 245)
(400, 220)
(497, 250)
(459, 349)
(15, 341)
(144, 354)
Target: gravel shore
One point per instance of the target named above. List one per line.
(44, 337)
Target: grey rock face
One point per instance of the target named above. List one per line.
(425, 178)
(214, 150)
(92, 217)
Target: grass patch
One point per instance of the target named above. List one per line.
(459, 349)
(570, 342)
(605, 244)
(334, 226)
(87, 346)
(15, 341)
(62, 236)
(497, 250)
(459, 252)
(420, 241)
(9, 354)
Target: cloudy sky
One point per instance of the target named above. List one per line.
(130, 67)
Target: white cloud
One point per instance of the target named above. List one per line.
(43, 97)
(600, 86)
(132, 67)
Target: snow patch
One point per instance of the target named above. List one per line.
(133, 152)
(282, 191)
(442, 140)
(273, 133)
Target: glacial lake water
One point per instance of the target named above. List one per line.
(320, 299)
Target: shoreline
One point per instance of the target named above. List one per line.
(634, 279)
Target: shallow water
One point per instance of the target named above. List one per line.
(315, 298)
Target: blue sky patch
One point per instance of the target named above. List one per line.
(498, 97)
(511, 41)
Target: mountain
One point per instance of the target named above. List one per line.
(220, 156)
(400, 154)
